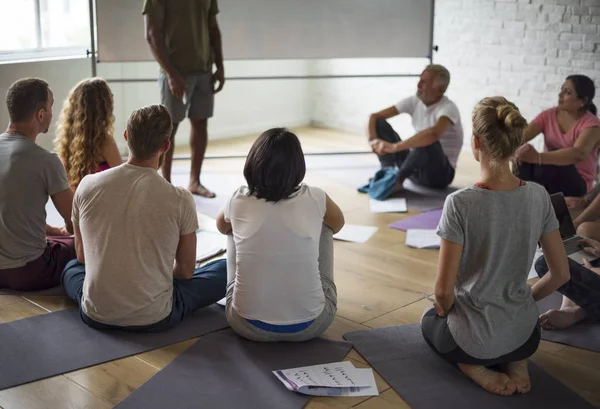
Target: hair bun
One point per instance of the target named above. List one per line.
(510, 116)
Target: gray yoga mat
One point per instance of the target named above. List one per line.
(425, 381)
(584, 335)
(59, 342)
(58, 290)
(223, 370)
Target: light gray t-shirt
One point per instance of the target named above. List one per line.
(494, 312)
(131, 220)
(29, 175)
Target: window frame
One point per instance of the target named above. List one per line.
(40, 53)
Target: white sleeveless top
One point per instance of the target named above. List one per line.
(277, 277)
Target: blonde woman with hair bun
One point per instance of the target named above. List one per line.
(484, 312)
(84, 137)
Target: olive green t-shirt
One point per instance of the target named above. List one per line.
(186, 31)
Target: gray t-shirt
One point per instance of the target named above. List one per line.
(131, 220)
(494, 312)
(29, 174)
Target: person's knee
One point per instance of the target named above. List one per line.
(72, 268)
(541, 266)
(587, 230)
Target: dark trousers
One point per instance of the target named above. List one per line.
(427, 166)
(555, 179)
(438, 337)
(43, 272)
(583, 288)
(206, 287)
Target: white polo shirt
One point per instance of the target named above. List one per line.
(424, 117)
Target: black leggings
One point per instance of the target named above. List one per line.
(427, 166)
(555, 179)
(438, 337)
(583, 288)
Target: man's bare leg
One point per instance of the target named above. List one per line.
(168, 156)
(568, 315)
(198, 142)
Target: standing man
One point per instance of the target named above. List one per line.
(185, 40)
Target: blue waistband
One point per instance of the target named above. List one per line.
(283, 329)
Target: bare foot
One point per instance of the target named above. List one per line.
(398, 188)
(563, 318)
(198, 189)
(518, 373)
(492, 381)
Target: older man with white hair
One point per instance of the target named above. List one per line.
(429, 157)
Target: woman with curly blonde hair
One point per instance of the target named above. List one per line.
(84, 138)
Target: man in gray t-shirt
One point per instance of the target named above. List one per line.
(29, 175)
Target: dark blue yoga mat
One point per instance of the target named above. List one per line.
(59, 342)
(426, 381)
(223, 370)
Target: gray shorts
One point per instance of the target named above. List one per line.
(199, 97)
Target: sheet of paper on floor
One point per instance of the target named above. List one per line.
(355, 233)
(394, 205)
(209, 244)
(422, 239)
(334, 379)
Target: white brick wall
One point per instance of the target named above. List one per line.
(521, 49)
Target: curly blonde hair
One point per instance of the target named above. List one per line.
(86, 121)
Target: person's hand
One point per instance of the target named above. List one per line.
(52, 231)
(439, 310)
(589, 266)
(218, 76)
(177, 85)
(576, 203)
(590, 246)
(526, 154)
(381, 147)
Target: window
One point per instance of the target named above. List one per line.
(44, 28)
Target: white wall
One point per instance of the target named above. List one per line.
(521, 49)
(243, 107)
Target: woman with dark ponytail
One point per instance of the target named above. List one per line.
(571, 138)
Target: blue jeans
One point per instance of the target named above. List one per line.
(206, 287)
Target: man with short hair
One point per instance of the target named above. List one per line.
(185, 39)
(31, 257)
(136, 235)
(429, 157)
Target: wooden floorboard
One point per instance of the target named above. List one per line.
(380, 283)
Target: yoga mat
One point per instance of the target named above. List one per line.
(425, 381)
(223, 370)
(58, 290)
(427, 221)
(59, 342)
(584, 335)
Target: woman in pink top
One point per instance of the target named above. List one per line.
(571, 137)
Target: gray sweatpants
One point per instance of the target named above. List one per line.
(320, 324)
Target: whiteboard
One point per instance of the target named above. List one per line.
(286, 29)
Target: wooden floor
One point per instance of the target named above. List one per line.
(380, 283)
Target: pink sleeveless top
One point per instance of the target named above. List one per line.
(554, 138)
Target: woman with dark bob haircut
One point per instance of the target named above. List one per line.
(280, 248)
